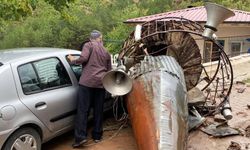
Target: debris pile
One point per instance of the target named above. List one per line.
(240, 86)
(247, 130)
(234, 146)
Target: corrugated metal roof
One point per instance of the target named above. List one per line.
(198, 14)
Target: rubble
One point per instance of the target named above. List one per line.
(240, 86)
(195, 97)
(219, 130)
(234, 146)
(195, 120)
(247, 131)
(219, 118)
(241, 90)
(248, 84)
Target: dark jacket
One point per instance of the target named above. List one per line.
(96, 63)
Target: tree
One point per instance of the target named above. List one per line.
(16, 9)
(59, 4)
(66, 23)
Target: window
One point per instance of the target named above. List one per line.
(43, 75)
(207, 51)
(28, 77)
(211, 52)
(222, 42)
(235, 48)
(77, 69)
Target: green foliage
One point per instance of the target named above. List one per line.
(80, 23)
(59, 4)
(66, 23)
(120, 32)
(16, 9)
(37, 30)
(234, 4)
(156, 6)
(187, 3)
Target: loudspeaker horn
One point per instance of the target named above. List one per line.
(117, 82)
(216, 14)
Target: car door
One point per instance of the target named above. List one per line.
(47, 90)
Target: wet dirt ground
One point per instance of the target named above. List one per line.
(116, 136)
(197, 140)
(123, 139)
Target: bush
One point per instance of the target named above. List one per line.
(38, 30)
(48, 27)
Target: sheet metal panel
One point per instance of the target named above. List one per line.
(157, 104)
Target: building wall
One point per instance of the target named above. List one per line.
(235, 33)
(231, 34)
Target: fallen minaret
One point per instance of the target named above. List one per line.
(159, 64)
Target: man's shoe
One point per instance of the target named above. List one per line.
(97, 141)
(76, 145)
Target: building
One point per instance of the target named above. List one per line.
(233, 33)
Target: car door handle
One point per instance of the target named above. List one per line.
(40, 104)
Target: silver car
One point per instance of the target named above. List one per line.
(38, 90)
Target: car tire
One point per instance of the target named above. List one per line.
(26, 138)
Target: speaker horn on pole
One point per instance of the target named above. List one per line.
(117, 82)
(216, 14)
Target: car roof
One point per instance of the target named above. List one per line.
(10, 55)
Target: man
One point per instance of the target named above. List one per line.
(96, 62)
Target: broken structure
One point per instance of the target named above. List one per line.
(164, 62)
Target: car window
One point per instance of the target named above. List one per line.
(45, 74)
(77, 69)
(1, 64)
(28, 78)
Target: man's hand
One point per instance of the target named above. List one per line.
(71, 58)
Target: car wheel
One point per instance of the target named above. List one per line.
(24, 139)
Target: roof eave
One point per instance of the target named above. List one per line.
(227, 22)
(133, 22)
(140, 22)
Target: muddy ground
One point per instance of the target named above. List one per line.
(115, 139)
(124, 139)
(117, 136)
(198, 140)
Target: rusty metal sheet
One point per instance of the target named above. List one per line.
(157, 105)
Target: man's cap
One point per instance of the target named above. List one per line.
(95, 34)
